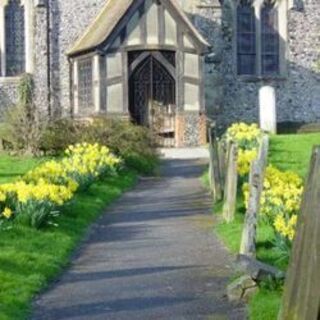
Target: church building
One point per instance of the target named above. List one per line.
(166, 64)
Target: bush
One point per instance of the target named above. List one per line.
(134, 144)
(58, 135)
(21, 127)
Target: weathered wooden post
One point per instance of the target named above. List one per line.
(222, 153)
(256, 179)
(231, 183)
(301, 299)
(214, 168)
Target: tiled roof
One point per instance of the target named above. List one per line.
(100, 29)
(104, 24)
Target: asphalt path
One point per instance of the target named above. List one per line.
(152, 255)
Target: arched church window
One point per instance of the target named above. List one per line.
(246, 38)
(269, 39)
(258, 41)
(15, 52)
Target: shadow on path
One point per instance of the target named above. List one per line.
(151, 256)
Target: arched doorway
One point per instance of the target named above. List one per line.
(152, 95)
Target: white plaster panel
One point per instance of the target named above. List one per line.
(187, 42)
(115, 98)
(134, 30)
(192, 97)
(153, 25)
(191, 65)
(114, 65)
(170, 29)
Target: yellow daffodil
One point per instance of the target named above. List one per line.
(7, 213)
(54, 182)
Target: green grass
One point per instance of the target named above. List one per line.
(13, 167)
(30, 259)
(293, 152)
(265, 305)
(231, 234)
(287, 152)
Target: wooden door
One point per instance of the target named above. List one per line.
(152, 99)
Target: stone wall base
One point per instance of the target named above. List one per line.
(191, 129)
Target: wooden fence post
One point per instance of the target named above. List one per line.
(231, 183)
(301, 299)
(256, 179)
(214, 167)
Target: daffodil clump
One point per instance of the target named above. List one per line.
(245, 157)
(83, 164)
(37, 196)
(247, 137)
(280, 200)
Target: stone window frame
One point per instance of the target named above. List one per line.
(29, 12)
(282, 7)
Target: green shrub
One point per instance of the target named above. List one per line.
(60, 134)
(21, 126)
(135, 144)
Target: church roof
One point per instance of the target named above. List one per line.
(111, 14)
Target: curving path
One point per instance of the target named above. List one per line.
(151, 256)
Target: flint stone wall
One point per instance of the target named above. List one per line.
(230, 99)
(69, 20)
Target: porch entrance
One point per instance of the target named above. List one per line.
(152, 93)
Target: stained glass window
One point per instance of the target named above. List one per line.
(246, 39)
(15, 38)
(85, 84)
(269, 39)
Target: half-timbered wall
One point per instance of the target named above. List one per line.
(151, 27)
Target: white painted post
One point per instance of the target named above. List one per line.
(268, 112)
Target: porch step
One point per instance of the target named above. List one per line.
(184, 153)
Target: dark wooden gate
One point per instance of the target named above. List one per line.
(152, 93)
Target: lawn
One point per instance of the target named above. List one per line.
(293, 152)
(13, 167)
(30, 259)
(287, 152)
